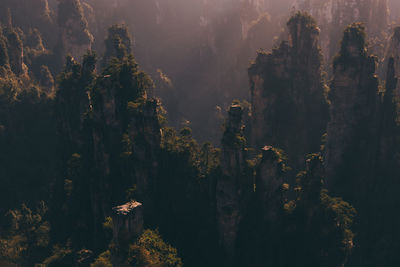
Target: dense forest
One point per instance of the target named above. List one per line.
(199, 133)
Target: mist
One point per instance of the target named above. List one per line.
(199, 133)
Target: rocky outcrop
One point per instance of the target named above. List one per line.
(393, 53)
(16, 52)
(219, 35)
(289, 110)
(75, 38)
(269, 182)
(333, 16)
(118, 43)
(4, 59)
(46, 80)
(31, 14)
(114, 127)
(145, 131)
(362, 144)
(127, 124)
(127, 221)
(229, 186)
(73, 100)
(312, 180)
(351, 141)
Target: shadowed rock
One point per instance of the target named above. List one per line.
(127, 222)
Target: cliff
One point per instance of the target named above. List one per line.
(31, 14)
(15, 49)
(333, 16)
(289, 110)
(229, 188)
(352, 130)
(75, 38)
(127, 223)
(118, 44)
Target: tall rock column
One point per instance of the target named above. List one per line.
(229, 186)
(118, 43)
(15, 51)
(75, 38)
(350, 144)
(334, 15)
(393, 53)
(269, 181)
(127, 223)
(145, 131)
(289, 110)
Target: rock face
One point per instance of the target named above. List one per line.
(219, 35)
(269, 181)
(127, 223)
(107, 121)
(46, 80)
(334, 15)
(362, 145)
(118, 43)
(312, 180)
(73, 101)
(389, 109)
(127, 120)
(249, 196)
(394, 53)
(75, 38)
(146, 134)
(30, 14)
(4, 59)
(289, 110)
(229, 186)
(15, 52)
(353, 96)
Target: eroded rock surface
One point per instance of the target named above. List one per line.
(352, 128)
(289, 110)
(127, 222)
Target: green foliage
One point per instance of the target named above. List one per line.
(61, 256)
(233, 135)
(354, 35)
(303, 19)
(186, 132)
(118, 43)
(27, 141)
(186, 171)
(104, 260)
(288, 89)
(303, 26)
(108, 223)
(127, 81)
(27, 237)
(151, 250)
(319, 228)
